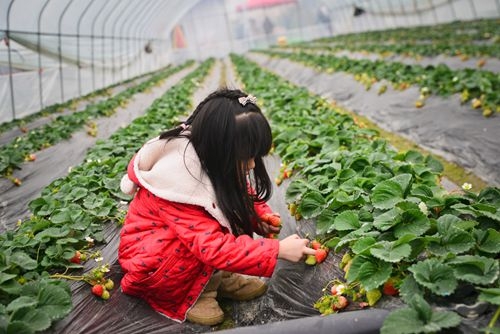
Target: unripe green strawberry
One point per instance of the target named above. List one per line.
(311, 260)
(83, 257)
(105, 295)
(109, 285)
(373, 296)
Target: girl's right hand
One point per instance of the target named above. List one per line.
(294, 248)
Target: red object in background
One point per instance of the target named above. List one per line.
(254, 4)
(178, 38)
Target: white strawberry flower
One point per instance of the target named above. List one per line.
(423, 208)
(99, 259)
(89, 239)
(466, 186)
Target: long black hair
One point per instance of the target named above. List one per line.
(226, 134)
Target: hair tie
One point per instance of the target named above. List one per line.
(183, 126)
(245, 99)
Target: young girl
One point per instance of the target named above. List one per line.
(200, 191)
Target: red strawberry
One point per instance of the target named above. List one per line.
(340, 304)
(275, 220)
(286, 174)
(76, 258)
(389, 288)
(321, 255)
(315, 244)
(98, 290)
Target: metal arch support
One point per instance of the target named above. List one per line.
(92, 37)
(39, 24)
(59, 26)
(138, 29)
(123, 38)
(113, 37)
(11, 80)
(140, 16)
(146, 28)
(78, 45)
(104, 41)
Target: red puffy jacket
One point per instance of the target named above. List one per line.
(171, 242)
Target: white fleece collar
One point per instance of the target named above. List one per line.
(177, 176)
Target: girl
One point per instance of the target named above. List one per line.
(200, 191)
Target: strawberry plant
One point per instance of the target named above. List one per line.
(69, 216)
(384, 209)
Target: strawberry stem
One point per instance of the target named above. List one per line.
(493, 320)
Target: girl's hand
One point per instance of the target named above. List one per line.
(294, 248)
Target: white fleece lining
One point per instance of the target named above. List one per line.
(177, 176)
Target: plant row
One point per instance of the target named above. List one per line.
(480, 88)
(59, 107)
(68, 219)
(458, 31)
(383, 209)
(417, 51)
(23, 148)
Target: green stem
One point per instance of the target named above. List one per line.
(493, 320)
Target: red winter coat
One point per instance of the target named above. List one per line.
(175, 236)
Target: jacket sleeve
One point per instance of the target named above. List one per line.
(212, 245)
(129, 182)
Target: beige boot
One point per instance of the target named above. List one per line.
(239, 287)
(206, 310)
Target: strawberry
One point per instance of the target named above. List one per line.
(321, 255)
(373, 296)
(274, 220)
(109, 285)
(17, 181)
(30, 157)
(105, 295)
(278, 181)
(287, 174)
(293, 208)
(315, 244)
(76, 258)
(389, 289)
(271, 236)
(311, 260)
(340, 304)
(98, 290)
(338, 289)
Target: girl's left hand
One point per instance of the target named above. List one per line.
(270, 223)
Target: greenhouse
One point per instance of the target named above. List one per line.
(250, 166)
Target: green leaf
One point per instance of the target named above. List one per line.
(5, 277)
(362, 245)
(387, 194)
(409, 288)
(19, 327)
(387, 219)
(23, 260)
(312, 204)
(488, 240)
(324, 222)
(435, 165)
(20, 302)
(54, 301)
(52, 232)
(475, 269)
(490, 295)
(35, 319)
(295, 190)
(450, 239)
(412, 222)
(419, 318)
(404, 180)
(373, 273)
(435, 275)
(346, 221)
(390, 251)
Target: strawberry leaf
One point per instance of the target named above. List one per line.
(488, 240)
(475, 269)
(419, 318)
(312, 204)
(34, 319)
(450, 239)
(387, 194)
(387, 219)
(55, 301)
(409, 288)
(390, 251)
(23, 260)
(412, 222)
(491, 295)
(374, 273)
(435, 275)
(20, 302)
(363, 245)
(347, 220)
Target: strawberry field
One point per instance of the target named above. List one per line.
(388, 165)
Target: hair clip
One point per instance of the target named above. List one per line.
(245, 99)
